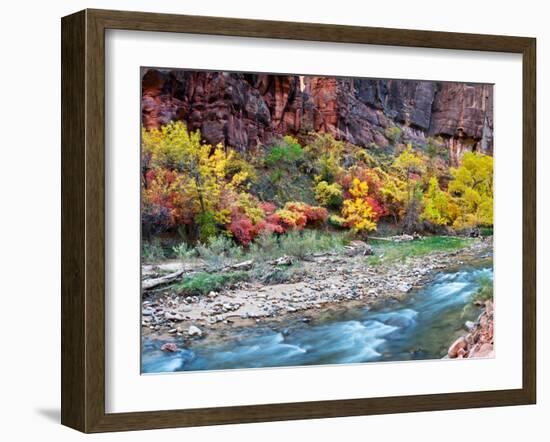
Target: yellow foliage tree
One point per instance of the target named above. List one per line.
(329, 195)
(200, 172)
(410, 165)
(356, 211)
(472, 190)
(394, 194)
(436, 204)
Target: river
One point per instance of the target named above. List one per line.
(420, 327)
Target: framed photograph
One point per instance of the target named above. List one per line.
(267, 221)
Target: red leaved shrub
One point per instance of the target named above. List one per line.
(242, 229)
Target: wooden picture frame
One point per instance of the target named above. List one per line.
(83, 220)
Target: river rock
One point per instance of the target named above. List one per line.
(283, 261)
(169, 347)
(483, 351)
(194, 331)
(403, 287)
(357, 247)
(457, 345)
(174, 316)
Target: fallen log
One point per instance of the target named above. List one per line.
(154, 282)
(245, 265)
(282, 261)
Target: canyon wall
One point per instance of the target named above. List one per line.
(243, 110)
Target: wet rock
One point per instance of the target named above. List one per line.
(194, 331)
(169, 347)
(459, 344)
(404, 287)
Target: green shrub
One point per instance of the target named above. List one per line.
(184, 251)
(374, 260)
(485, 292)
(304, 243)
(486, 231)
(219, 251)
(287, 151)
(393, 134)
(269, 275)
(152, 251)
(203, 283)
(399, 251)
(207, 226)
(276, 176)
(265, 246)
(293, 244)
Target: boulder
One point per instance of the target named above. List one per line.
(194, 331)
(169, 347)
(404, 288)
(456, 346)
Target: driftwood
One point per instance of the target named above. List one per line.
(245, 265)
(282, 261)
(398, 238)
(148, 284)
(358, 248)
(151, 283)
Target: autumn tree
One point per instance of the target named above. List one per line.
(329, 195)
(436, 205)
(411, 166)
(472, 190)
(324, 155)
(394, 195)
(190, 178)
(357, 212)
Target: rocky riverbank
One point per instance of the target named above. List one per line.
(479, 342)
(326, 280)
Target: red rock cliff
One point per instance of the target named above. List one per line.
(243, 110)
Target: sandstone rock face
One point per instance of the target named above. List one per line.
(479, 342)
(457, 346)
(244, 110)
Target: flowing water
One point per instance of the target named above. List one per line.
(420, 327)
